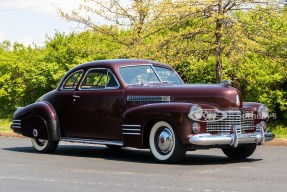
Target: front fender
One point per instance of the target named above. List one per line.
(139, 120)
(251, 105)
(39, 116)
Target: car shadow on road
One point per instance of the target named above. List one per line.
(132, 155)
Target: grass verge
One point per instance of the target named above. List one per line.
(279, 129)
(5, 125)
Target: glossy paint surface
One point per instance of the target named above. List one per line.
(102, 113)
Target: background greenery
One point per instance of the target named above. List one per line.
(250, 44)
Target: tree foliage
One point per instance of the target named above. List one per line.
(245, 41)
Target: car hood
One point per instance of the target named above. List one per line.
(206, 95)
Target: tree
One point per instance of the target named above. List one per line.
(133, 22)
(128, 22)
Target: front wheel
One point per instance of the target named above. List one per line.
(241, 152)
(164, 143)
(44, 146)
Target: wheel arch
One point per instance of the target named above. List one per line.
(39, 116)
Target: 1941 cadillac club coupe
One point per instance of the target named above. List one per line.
(143, 104)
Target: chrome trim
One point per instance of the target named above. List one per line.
(106, 88)
(237, 101)
(131, 129)
(92, 141)
(62, 86)
(165, 140)
(139, 98)
(125, 133)
(232, 139)
(35, 132)
(269, 136)
(156, 73)
(231, 118)
(131, 126)
(16, 127)
(147, 64)
(16, 124)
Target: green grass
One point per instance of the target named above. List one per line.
(5, 125)
(279, 129)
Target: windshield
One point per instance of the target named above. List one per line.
(143, 74)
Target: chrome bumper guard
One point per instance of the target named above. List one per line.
(232, 139)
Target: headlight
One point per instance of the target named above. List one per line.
(263, 111)
(195, 113)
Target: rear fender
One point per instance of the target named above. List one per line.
(38, 120)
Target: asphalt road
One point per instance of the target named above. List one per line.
(95, 168)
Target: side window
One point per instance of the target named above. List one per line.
(73, 80)
(99, 79)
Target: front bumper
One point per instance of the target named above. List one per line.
(232, 139)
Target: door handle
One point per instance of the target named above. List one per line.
(76, 97)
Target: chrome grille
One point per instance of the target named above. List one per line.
(247, 123)
(225, 121)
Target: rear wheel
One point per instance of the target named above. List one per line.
(164, 143)
(44, 146)
(241, 152)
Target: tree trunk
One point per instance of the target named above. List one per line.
(218, 41)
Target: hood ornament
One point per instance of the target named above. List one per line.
(226, 82)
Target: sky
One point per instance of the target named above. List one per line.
(29, 21)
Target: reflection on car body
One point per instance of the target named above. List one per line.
(143, 104)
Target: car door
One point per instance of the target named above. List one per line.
(99, 106)
(65, 106)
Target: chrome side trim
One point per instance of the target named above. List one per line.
(139, 98)
(131, 126)
(125, 133)
(16, 124)
(131, 129)
(92, 141)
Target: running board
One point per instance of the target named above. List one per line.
(92, 141)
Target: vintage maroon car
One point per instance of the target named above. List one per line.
(143, 104)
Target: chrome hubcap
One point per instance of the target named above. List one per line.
(165, 141)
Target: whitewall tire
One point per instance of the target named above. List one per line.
(164, 143)
(44, 146)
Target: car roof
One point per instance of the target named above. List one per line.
(117, 63)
